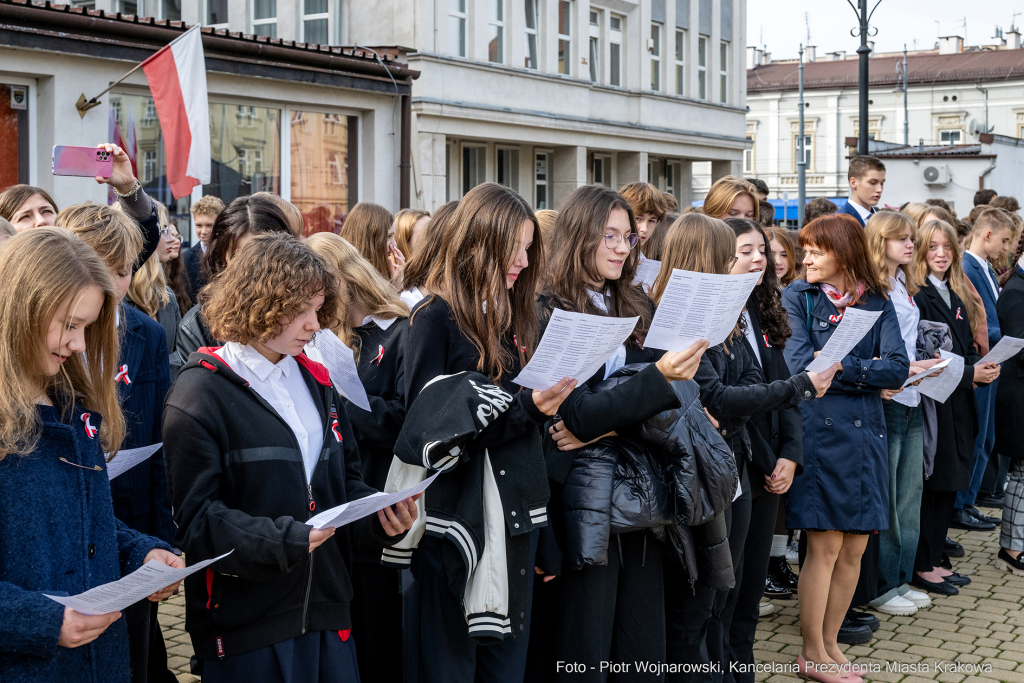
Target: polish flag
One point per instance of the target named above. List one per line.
(177, 80)
(130, 146)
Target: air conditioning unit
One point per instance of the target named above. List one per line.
(936, 175)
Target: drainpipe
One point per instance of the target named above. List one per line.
(405, 154)
(981, 178)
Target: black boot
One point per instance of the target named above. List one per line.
(782, 575)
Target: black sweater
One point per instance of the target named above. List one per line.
(238, 483)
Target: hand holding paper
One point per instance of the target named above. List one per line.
(1004, 350)
(855, 324)
(939, 387)
(347, 513)
(925, 373)
(699, 306)
(339, 360)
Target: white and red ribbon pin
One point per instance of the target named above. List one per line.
(380, 355)
(90, 431)
(122, 376)
(334, 428)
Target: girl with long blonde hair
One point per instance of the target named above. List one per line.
(59, 414)
(732, 197)
(149, 291)
(409, 224)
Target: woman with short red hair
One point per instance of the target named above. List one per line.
(843, 494)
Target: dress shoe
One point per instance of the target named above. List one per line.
(918, 598)
(1010, 563)
(952, 548)
(897, 606)
(987, 501)
(977, 514)
(852, 633)
(964, 520)
(861, 619)
(779, 570)
(958, 579)
(944, 562)
(776, 591)
(939, 588)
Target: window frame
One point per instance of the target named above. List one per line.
(565, 39)
(223, 24)
(655, 50)
(481, 175)
(723, 72)
(459, 18)
(959, 135)
(513, 166)
(547, 182)
(680, 62)
(594, 47)
(496, 23)
(531, 57)
(258, 23)
(615, 51)
(317, 16)
(702, 68)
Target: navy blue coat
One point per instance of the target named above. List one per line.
(976, 273)
(845, 482)
(142, 498)
(58, 535)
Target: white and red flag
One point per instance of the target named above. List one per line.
(177, 80)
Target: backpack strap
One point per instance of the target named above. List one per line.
(810, 304)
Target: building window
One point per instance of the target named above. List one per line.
(748, 157)
(808, 152)
(128, 7)
(602, 170)
(723, 65)
(565, 37)
(671, 178)
(217, 13)
(336, 169)
(149, 113)
(496, 29)
(245, 116)
(653, 166)
(541, 180)
(950, 136)
(615, 51)
(149, 166)
(655, 48)
(324, 151)
(115, 107)
(508, 168)
(474, 161)
(264, 18)
(170, 10)
(680, 62)
(531, 34)
(315, 22)
(702, 68)
(595, 47)
(333, 124)
(457, 28)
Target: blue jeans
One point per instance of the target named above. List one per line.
(986, 439)
(898, 544)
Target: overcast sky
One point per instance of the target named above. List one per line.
(780, 24)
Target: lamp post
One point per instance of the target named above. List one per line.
(801, 163)
(865, 30)
(901, 70)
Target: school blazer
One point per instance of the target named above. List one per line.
(976, 274)
(850, 211)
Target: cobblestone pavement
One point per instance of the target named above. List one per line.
(983, 627)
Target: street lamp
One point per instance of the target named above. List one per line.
(901, 73)
(864, 18)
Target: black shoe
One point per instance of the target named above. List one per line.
(989, 501)
(1010, 563)
(952, 548)
(853, 634)
(779, 571)
(977, 514)
(857, 618)
(958, 579)
(963, 520)
(944, 562)
(940, 588)
(775, 590)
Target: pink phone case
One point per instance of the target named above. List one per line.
(82, 161)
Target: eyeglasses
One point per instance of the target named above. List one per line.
(613, 239)
(166, 233)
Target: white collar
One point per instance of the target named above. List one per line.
(864, 211)
(901, 277)
(980, 259)
(599, 299)
(941, 284)
(382, 323)
(256, 362)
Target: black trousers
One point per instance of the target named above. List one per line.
(377, 621)
(756, 551)
(614, 613)
(314, 657)
(936, 511)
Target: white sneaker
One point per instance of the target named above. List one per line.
(765, 608)
(898, 606)
(918, 598)
(793, 553)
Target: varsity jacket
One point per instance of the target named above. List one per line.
(486, 502)
(238, 483)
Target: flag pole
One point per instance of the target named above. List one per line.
(83, 105)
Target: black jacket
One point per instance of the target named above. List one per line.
(1010, 391)
(194, 269)
(238, 483)
(957, 418)
(192, 336)
(780, 433)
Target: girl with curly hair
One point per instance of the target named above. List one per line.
(259, 442)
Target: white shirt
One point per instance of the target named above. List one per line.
(411, 297)
(987, 269)
(618, 358)
(941, 284)
(749, 334)
(202, 245)
(281, 386)
(865, 213)
(909, 316)
(381, 322)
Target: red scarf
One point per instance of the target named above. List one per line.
(841, 299)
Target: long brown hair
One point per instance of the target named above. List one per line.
(366, 228)
(724, 192)
(841, 235)
(579, 231)
(47, 267)
(782, 236)
(415, 272)
(955, 275)
(12, 199)
(882, 227)
(477, 248)
(766, 297)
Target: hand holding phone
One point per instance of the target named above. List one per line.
(88, 162)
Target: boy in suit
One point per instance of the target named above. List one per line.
(989, 240)
(867, 178)
(204, 214)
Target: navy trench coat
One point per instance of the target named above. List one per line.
(845, 482)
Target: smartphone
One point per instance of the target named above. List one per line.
(82, 161)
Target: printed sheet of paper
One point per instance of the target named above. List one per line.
(574, 345)
(1004, 350)
(357, 509)
(646, 273)
(939, 387)
(933, 369)
(698, 306)
(341, 363)
(125, 460)
(141, 583)
(855, 324)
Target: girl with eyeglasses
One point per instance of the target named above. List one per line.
(175, 272)
(611, 612)
(59, 414)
